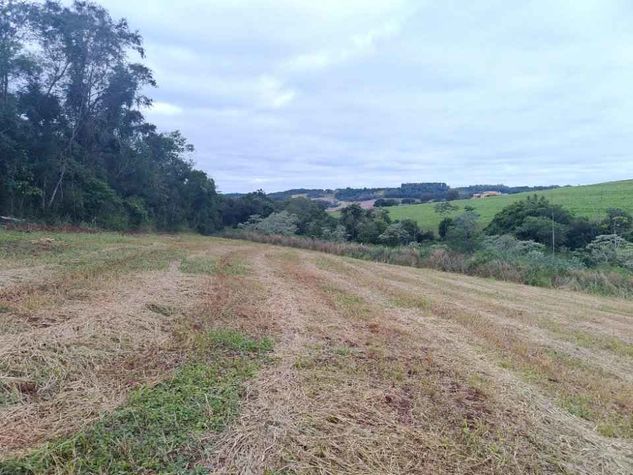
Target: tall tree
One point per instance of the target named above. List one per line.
(74, 144)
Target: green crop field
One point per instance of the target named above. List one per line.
(591, 201)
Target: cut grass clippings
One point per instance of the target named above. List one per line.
(203, 265)
(157, 430)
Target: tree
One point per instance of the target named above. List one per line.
(74, 145)
(401, 232)
(376, 222)
(384, 203)
(238, 210)
(364, 225)
(351, 218)
(311, 216)
(534, 218)
(444, 226)
(464, 233)
(282, 223)
(580, 232)
(611, 249)
(543, 230)
(444, 207)
(617, 221)
(452, 195)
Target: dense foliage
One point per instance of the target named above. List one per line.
(422, 191)
(532, 241)
(537, 219)
(74, 145)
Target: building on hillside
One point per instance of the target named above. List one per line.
(486, 194)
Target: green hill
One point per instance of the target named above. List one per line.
(590, 200)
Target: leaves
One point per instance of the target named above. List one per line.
(74, 144)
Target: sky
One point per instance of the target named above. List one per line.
(280, 94)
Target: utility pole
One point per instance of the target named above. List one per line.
(553, 235)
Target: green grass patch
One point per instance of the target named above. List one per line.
(157, 430)
(198, 265)
(350, 304)
(579, 406)
(410, 301)
(209, 266)
(288, 256)
(334, 265)
(232, 267)
(59, 248)
(164, 310)
(588, 340)
(591, 201)
(560, 373)
(234, 342)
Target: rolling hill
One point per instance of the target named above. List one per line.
(591, 201)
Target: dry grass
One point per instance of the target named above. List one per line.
(92, 328)
(376, 368)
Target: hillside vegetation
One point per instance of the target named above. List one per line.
(591, 201)
(74, 144)
(157, 354)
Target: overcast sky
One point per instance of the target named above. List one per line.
(279, 94)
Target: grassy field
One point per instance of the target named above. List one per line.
(591, 201)
(184, 354)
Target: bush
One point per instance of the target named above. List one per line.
(383, 203)
(507, 246)
(500, 257)
(611, 249)
(282, 223)
(444, 226)
(464, 232)
(336, 234)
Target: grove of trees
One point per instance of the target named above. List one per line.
(74, 145)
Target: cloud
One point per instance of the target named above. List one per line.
(272, 92)
(163, 108)
(357, 45)
(292, 93)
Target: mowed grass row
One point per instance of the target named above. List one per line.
(158, 429)
(377, 368)
(591, 201)
(112, 355)
(578, 386)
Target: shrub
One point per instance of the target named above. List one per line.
(618, 221)
(501, 257)
(508, 246)
(611, 249)
(464, 232)
(336, 234)
(382, 202)
(282, 223)
(445, 224)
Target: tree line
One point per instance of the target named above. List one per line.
(74, 144)
(532, 241)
